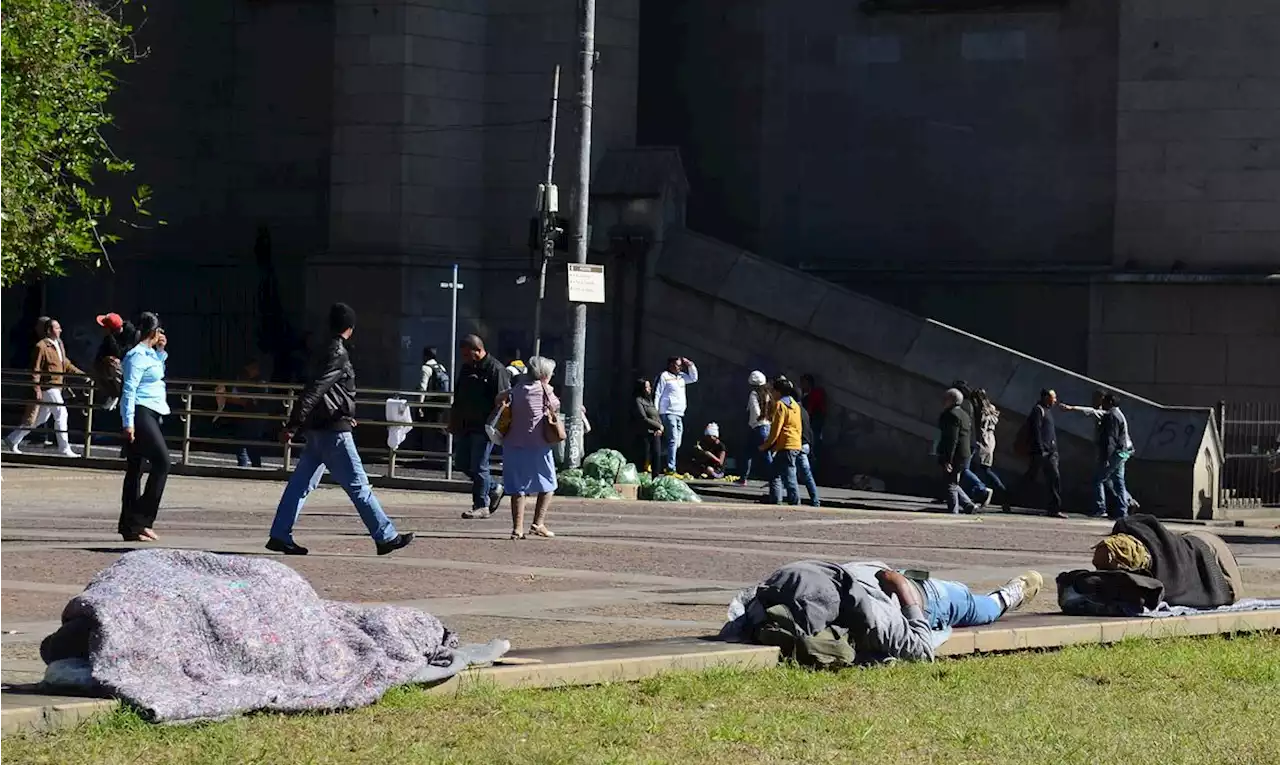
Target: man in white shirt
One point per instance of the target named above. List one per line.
(672, 402)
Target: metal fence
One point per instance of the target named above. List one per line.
(227, 415)
(1251, 450)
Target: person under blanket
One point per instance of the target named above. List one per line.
(828, 614)
(1142, 564)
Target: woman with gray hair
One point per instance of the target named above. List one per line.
(528, 467)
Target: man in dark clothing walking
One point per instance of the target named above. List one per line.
(975, 487)
(955, 447)
(479, 382)
(1043, 447)
(325, 410)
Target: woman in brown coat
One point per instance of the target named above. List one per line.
(49, 364)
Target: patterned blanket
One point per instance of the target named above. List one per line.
(187, 635)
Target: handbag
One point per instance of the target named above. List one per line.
(498, 424)
(552, 425)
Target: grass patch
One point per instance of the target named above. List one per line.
(1214, 700)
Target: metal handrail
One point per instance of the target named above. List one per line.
(191, 392)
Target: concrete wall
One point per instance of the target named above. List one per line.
(1198, 135)
(930, 140)
(1190, 344)
(884, 370)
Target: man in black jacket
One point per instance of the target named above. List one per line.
(955, 447)
(1043, 434)
(480, 380)
(326, 411)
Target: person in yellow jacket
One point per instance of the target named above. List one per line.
(786, 439)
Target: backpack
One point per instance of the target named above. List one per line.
(439, 382)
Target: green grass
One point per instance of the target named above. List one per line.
(1199, 701)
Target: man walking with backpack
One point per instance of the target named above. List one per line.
(1038, 440)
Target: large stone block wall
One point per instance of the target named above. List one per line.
(1188, 344)
(829, 136)
(1198, 134)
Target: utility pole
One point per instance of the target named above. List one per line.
(548, 207)
(575, 372)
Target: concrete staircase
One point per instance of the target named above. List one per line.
(885, 369)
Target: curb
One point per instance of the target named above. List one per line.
(629, 662)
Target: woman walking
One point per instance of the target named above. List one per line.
(759, 412)
(646, 428)
(986, 416)
(143, 406)
(528, 467)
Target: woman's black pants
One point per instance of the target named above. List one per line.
(139, 512)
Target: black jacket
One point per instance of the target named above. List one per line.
(329, 400)
(108, 371)
(1110, 436)
(955, 439)
(1044, 432)
(806, 428)
(478, 384)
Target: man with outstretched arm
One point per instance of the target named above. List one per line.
(325, 411)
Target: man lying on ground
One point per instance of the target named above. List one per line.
(831, 615)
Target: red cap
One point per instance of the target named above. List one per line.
(111, 321)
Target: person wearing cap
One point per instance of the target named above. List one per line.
(709, 454)
(326, 410)
(118, 337)
(759, 415)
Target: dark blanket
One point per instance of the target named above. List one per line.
(1107, 593)
(1186, 566)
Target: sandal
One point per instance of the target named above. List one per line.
(540, 530)
(137, 538)
(150, 535)
(517, 535)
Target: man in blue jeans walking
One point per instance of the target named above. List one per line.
(480, 379)
(325, 411)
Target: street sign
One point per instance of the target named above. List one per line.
(586, 283)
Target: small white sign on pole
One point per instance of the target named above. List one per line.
(586, 283)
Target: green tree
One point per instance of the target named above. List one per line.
(58, 68)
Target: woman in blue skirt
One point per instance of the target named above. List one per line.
(528, 468)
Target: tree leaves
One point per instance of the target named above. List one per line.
(57, 58)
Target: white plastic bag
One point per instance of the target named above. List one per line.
(398, 411)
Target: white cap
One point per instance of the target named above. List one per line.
(712, 430)
(756, 378)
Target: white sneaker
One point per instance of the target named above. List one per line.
(69, 453)
(1020, 590)
(13, 448)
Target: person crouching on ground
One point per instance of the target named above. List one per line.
(785, 441)
(528, 466)
(326, 409)
(709, 454)
(955, 434)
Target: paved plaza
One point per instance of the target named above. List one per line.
(616, 571)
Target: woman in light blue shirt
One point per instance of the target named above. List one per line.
(143, 406)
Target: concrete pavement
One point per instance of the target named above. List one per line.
(616, 571)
